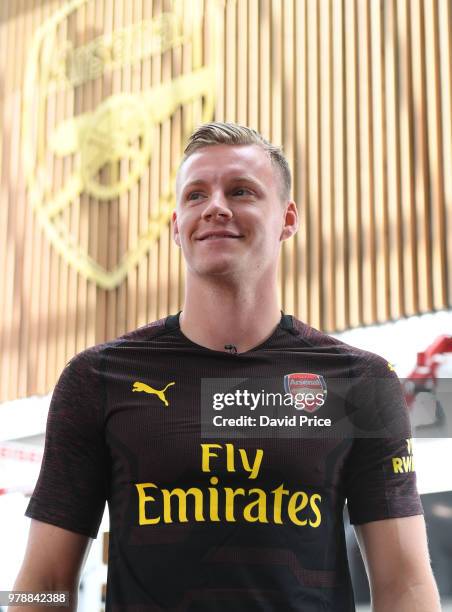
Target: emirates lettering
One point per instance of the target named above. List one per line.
(216, 503)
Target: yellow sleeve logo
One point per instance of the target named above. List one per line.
(402, 465)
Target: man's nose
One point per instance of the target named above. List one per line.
(217, 206)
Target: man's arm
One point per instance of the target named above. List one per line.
(53, 561)
(395, 553)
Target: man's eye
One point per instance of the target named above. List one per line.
(194, 193)
(242, 189)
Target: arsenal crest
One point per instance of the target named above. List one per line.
(306, 385)
(102, 142)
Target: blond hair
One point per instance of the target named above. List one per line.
(210, 134)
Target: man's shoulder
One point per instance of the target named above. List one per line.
(145, 332)
(90, 356)
(321, 340)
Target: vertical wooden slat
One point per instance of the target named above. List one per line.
(264, 67)
(5, 33)
(241, 67)
(299, 168)
(17, 382)
(330, 276)
(111, 84)
(178, 148)
(318, 203)
(144, 203)
(91, 207)
(82, 103)
(313, 151)
(366, 169)
(421, 170)
(82, 200)
(445, 35)
(302, 168)
(392, 104)
(326, 218)
(100, 210)
(51, 307)
(288, 96)
(197, 42)
(379, 161)
(296, 179)
(133, 192)
(69, 274)
(34, 274)
(339, 173)
(265, 77)
(56, 332)
(17, 11)
(353, 174)
(3, 203)
(124, 82)
(371, 146)
(219, 112)
(156, 177)
(71, 215)
(276, 76)
(435, 145)
(187, 112)
(119, 205)
(175, 297)
(13, 242)
(28, 222)
(230, 67)
(185, 117)
(407, 185)
(165, 172)
(175, 153)
(187, 62)
(384, 218)
(276, 69)
(253, 60)
(44, 257)
(197, 52)
(194, 15)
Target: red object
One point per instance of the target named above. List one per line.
(423, 376)
(12, 452)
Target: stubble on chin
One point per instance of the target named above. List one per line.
(219, 270)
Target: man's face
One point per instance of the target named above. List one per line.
(229, 218)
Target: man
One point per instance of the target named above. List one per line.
(205, 523)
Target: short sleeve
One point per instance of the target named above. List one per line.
(380, 478)
(71, 489)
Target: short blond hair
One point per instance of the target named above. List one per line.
(210, 134)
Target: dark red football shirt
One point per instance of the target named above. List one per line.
(203, 524)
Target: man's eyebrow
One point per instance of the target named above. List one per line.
(248, 179)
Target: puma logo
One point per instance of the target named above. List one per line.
(139, 386)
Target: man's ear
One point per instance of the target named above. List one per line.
(176, 236)
(290, 221)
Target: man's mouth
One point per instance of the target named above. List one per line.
(218, 236)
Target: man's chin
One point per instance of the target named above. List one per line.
(219, 269)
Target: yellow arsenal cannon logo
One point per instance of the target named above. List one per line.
(95, 104)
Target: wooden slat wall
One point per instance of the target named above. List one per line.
(359, 95)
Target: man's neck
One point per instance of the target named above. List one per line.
(216, 315)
